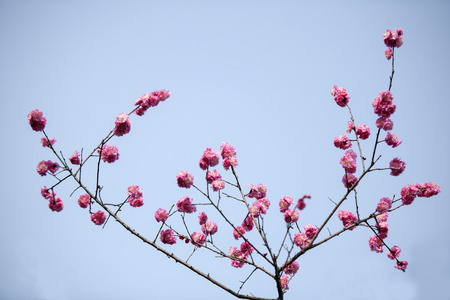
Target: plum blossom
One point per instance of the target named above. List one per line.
(284, 280)
(84, 201)
(362, 131)
(384, 205)
(238, 232)
(46, 194)
(349, 180)
(46, 142)
(384, 123)
(150, 100)
(109, 153)
(136, 202)
(350, 126)
(310, 231)
(383, 230)
(394, 253)
(212, 175)
(37, 120)
(376, 244)
(123, 124)
(340, 96)
(428, 189)
(301, 202)
(382, 105)
(161, 215)
(348, 161)
(258, 191)
(291, 216)
(285, 203)
(209, 228)
(167, 237)
(217, 185)
(198, 239)
(184, 179)
(347, 218)
(292, 268)
(409, 193)
(229, 155)
(42, 168)
(56, 204)
(185, 205)
(401, 265)
(300, 239)
(397, 166)
(246, 249)
(98, 218)
(75, 158)
(342, 142)
(382, 217)
(248, 224)
(202, 218)
(388, 53)
(134, 191)
(392, 140)
(209, 159)
(234, 252)
(259, 206)
(393, 38)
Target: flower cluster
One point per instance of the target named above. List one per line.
(397, 166)
(184, 179)
(229, 155)
(384, 123)
(342, 142)
(411, 191)
(135, 196)
(348, 218)
(302, 239)
(340, 96)
(150, 100)
(98, 218)
(109, 153)
(362, 131)
(208, 226)
(161, 215)
(47, 166)
(123, 124)
(382, 105)
(84, 201)
(384, 205)
(75, 158)
(215, 179)
(167, 237)
(393, 38)
(198, 239)
(292, 268)
(47, 143)
(392, 140)
(234, 252)
(348, 161)
(259, 191)
(185, 205)
(259, 206)
(54, 203)
(37, 120)
(209, 159)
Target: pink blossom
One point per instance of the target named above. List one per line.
(209, 228)
(209, 159)
(136, 202)
(300, 239)
(401, 265)
(134, 191)
(285, 203)
(37, 120)
(227, 151)
(98, 218)
(248, 224)
(284, 280)
(56, 204)
(376, 244)
(350, 126)
(362, 131)
(246, 249)
(310, 231)
(382, 217)
(384, 205)
(238, 232)
(234, 252)
(212, 175)
(53, 167)
(217, 185)
(198, 239)
(292, 268)
(383, 230)
(409, 193)
(347, 218)
(428, 189)
(184, 179)
(383, 105)
(46, 194)
(46, 142)
(394, 253)
(185, 205)
(123, 124)
(150, 100)
(342, 142)
(161, 215)
(202, 218)
(388, 53)
(348, 161)
(384, 123)
(291, 216)
(397, 166)
(230, 161)
(340, 96)
(109, 153)
(167, 237)
(75, 158)
(349, 180)
(258, 191)
(393, 38)
(392, 140)
(42, 168)
(84, 200)
(301, 202)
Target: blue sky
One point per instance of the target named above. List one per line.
(254, 73)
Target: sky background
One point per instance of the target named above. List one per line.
(257, 74)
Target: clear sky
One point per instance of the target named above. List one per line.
(254, 73)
